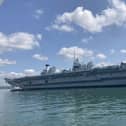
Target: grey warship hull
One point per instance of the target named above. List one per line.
(80, 79)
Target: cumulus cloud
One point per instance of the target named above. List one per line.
(63, 27)
(38, 13)
(4, 62)
(78, 52)
(86, 40)
(11, 75)
(114, 14)
(103, 64)
(27, 72)
(123, 51)
(19, 40)
(40, 57)
(101, 56)
(39, 36)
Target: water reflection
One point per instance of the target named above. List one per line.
(76, 107)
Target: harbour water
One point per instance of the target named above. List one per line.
(72, 107)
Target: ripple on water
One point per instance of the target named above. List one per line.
(81, 107)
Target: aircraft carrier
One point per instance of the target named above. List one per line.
(79, 76)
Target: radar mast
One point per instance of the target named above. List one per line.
(76, 63)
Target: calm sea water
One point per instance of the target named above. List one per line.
(73, 107)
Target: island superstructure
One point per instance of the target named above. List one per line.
(79, 76)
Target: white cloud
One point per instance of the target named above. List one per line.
(10, 75)
(13, 75)
(124, 61)
(27, 72)
(40, 57)
(1, 2)
(6, 62)
(63, 27)
(78, 52)
(19, 40)
(114, 14)
(103, 64)
(123, 50)
(39, 36)
(86, 40)
(38, 13)
(101, 56)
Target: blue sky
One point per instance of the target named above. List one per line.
(36, 32)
